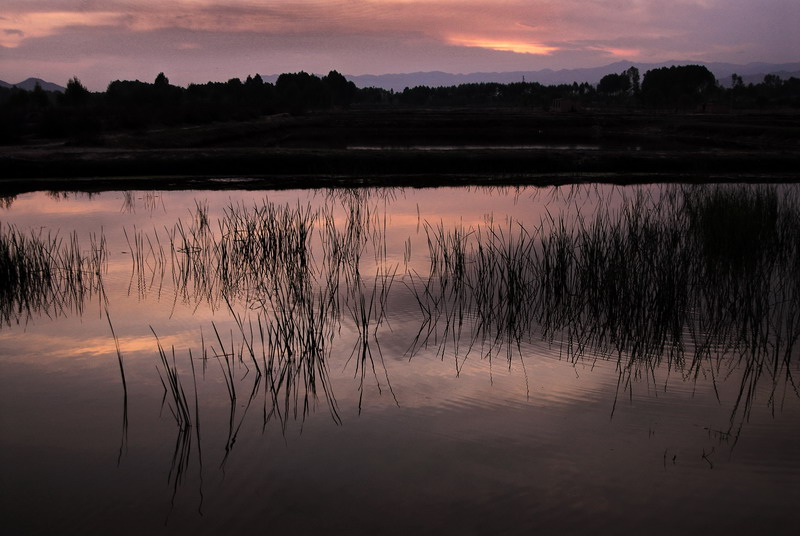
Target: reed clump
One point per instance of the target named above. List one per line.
(257, 261)
(681, 276)
(47, 274)
(684, 278)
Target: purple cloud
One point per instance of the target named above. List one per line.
(198, 41)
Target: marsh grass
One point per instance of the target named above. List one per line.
(123, 448)
(148, 262)
(257, 261)
(188, 424)
(48, 274)
(686, 278)
(678, 281)
(171, 382)
(149, 201)
(367, 307)
(187, 421)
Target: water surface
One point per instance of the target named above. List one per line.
(593, 359)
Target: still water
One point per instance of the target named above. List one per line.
(594, 359)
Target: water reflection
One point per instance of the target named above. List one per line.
(47, 274)
(150, 202)
(679, 287)
(695, 280)
(698, 281)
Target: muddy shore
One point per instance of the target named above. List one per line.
(418, 148)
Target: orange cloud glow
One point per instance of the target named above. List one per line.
(202, 39)
(41, 24)
(507, 46)
(627, 53)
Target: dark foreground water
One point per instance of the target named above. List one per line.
(588, 360)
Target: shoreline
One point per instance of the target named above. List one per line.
(416, 148)
(93, 170)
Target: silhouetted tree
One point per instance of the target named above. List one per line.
(76, 93)
(682, 86)
(633, 76)
(300, 92)
(341, 90)
(622, 88)
(79, 115)
(614, 84)
(772, 81)
(39, 97)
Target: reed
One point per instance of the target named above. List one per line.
(124, 439)
(170, 380)
(186, 423)
(368, 311)
(680, 278)
(258, 262)
(47, 274)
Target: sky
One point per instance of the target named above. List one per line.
(200, 40)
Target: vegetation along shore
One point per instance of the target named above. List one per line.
(672, 124)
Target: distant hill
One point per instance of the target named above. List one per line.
(30, 84)
(750, 73)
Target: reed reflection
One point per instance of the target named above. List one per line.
(48, 274)
(693, 280)
(697, 281)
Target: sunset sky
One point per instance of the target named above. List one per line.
(201, 40)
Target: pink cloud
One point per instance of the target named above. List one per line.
(361, 36)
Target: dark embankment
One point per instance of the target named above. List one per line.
(419, 147)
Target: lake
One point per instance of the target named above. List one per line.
(563, 360)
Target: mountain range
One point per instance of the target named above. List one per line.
(30, 83)
(750, 73)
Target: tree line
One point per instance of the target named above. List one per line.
(82, 115)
